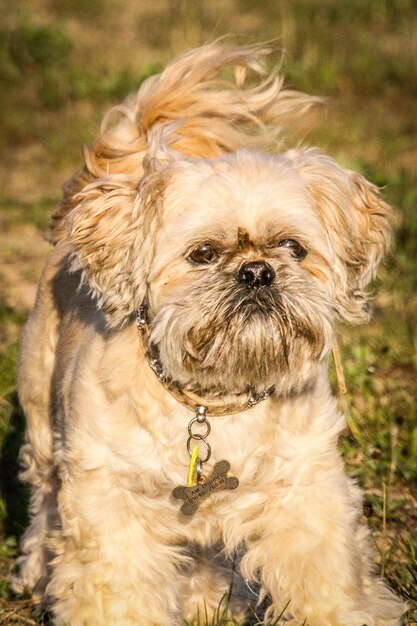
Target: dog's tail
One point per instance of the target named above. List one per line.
(218, 114)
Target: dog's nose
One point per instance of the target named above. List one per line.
(256, 274)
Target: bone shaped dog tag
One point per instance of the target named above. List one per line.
(217, 480)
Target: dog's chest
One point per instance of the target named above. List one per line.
(248, 441)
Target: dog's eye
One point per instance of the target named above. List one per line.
(204, 254)
(295, 248)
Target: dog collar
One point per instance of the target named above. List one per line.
(198, 487)
(188, 398)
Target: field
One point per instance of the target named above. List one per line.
(64, 62)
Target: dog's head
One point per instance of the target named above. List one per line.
(244, 261)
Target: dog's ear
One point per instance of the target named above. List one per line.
(102, 230)
(357, 224)
(112, 230)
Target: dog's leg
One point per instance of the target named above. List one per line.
(206, 592)
(34, 387)
(115, 563)
(309, 551)
(31, 576)
(384, 603)
(213, 587)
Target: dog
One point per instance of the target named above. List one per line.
(181, 432)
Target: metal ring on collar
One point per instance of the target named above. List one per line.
(199, 435)
(190, 449)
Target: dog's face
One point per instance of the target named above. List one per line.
(237, 284)
(244, 262)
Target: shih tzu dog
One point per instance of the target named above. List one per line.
(174, 368)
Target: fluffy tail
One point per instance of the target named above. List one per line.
(218, 115)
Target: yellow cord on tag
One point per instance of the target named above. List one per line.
(192, 471)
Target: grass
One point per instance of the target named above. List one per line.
(63, 64)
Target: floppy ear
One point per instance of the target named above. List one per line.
(102, 229)
(112, 232)
(357, 223)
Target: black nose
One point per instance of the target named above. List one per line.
(256, 274)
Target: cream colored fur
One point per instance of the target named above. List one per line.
(105, 441)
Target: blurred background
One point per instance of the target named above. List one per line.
(63, 63)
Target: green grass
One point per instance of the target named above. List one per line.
(63, 64)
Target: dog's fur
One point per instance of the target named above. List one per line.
(176, 165)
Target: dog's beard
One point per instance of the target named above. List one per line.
(222, 338)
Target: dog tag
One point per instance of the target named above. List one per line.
(217, 480)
